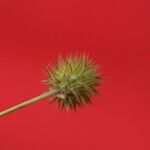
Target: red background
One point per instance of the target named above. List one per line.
(34, 32)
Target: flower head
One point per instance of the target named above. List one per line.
(76, 78)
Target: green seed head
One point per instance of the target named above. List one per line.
(76, 78)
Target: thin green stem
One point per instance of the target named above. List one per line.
(28, 102)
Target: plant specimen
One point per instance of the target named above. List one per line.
(72, 81)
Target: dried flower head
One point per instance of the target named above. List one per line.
(72, 81)
(76, 79)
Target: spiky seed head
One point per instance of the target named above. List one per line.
(76, 78)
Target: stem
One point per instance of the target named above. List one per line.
(28, 102)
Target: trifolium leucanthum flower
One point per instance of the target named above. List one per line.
(76, 79)
(72, 82)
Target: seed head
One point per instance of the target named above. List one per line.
(76, 78)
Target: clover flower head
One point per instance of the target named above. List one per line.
(76, 79)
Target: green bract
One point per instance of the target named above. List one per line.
(76, 78)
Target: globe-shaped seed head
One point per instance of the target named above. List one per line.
(76, 78)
